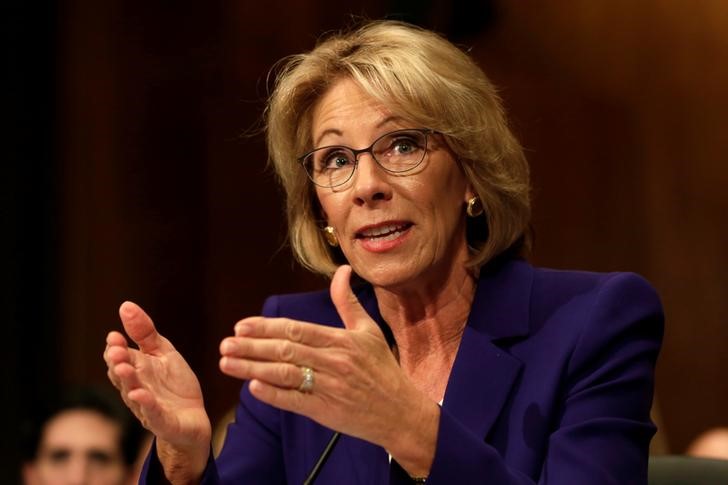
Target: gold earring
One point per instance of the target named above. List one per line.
(330, 236)
(475, 207)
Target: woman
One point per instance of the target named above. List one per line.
(453, 361)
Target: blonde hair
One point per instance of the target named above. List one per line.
(419, 76)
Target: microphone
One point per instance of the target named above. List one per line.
(322, 459)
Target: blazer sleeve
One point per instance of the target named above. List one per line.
(602, 429)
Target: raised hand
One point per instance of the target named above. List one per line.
(359, 388)
(160, 388)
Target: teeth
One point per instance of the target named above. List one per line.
(378, 231)
(390, 237)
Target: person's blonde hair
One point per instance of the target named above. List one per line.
(421, 77)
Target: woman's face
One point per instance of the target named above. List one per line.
(394, 229)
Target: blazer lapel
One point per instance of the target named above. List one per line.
(483, 374)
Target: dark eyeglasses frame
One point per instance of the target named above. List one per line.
(424, 131)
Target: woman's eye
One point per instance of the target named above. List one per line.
(335, 160)
(403, 146)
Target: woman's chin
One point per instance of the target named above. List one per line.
(389, 275)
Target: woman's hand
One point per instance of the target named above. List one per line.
(157, 384)
(359, 388)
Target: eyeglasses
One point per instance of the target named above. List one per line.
(396, 152)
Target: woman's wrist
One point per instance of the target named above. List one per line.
(415, 441)
(183, 465)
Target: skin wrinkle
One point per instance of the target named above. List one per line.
(286, 351)
(339, 133)
(294, 332)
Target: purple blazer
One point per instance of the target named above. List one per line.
(552, 383)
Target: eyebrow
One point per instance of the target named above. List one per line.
(63, 453)
(336, 131)
(100, 455)
(56, 454)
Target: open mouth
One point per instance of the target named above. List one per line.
(386, 232)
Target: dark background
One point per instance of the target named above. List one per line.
(132, 169)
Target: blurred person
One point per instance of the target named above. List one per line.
(438, 355)
(712, 443)
(87, 438)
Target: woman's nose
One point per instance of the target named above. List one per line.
(371, 182)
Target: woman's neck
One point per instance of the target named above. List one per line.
(427, 322)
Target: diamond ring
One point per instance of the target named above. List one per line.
(308, 379)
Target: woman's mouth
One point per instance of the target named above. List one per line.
(384, 232)
(383, 237)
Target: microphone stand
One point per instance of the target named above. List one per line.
(322, 459)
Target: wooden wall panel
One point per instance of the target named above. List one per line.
(165, 196)
(621, 106)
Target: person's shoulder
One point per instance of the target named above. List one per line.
(621, 286)
(569, 299)
(562, 282)
(593, 302)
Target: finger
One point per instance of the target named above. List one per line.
(147, 409)
(116, 338)
(286, 329)
(286, 399)
(119, 355)
(288, 376)
(128, 376)
(119, 352)
(272, 350)
(113, 339)
(125, 378)
(140, 329)
(114, 353)
(347, 304)
(115, 380)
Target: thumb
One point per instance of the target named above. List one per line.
(140, 329)
(347, 304)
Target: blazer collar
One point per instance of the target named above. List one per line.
(501, 303)
(483, 374)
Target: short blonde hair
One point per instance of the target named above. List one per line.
(421, 77)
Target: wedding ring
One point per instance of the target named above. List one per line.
(307, 382)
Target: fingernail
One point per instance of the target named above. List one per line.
(242, 329)
(227, 346)
(127, 309)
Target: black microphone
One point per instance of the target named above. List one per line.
(322, 459)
